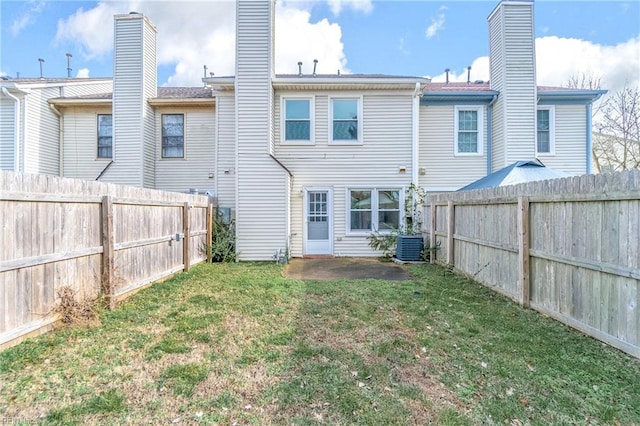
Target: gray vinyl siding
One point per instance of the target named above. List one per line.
(192, 171)
(443, 169)
(262, 185)
(80, 146)
(387, 133)
(570, 140)
(7, 133)
(41, 138)
(226, 151)
(513, 75)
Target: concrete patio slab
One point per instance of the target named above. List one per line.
(345, 268)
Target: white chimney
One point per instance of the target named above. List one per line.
(512, 73)
(134, 82)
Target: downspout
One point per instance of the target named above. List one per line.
(489, 134)
(589, 141)
(415, 152)
(16, 131)
(57, 112)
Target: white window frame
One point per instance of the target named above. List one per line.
(552, 129)
(283, 120)
(184, 137)
(374, 209)
(351, 142)
(480, 111)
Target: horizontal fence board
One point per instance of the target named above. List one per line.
(573, 254)
(90, 236)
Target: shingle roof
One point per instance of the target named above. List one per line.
(163, 93)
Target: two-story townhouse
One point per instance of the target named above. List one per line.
(313, 163)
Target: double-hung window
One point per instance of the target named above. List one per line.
(105, 136)
(373, 210)
(346, 123)
(469, 130)
(297, 123)
(545, 130)
(172, 135)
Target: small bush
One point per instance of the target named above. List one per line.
(223, 241)
(75, 311)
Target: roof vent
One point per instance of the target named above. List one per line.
(315, 63)
(447, 73)
(469, 74)
(478, 82)
(134, 13)
(300, 69)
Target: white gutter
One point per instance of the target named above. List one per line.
(60, 138)
(415, 151)
(16, 131)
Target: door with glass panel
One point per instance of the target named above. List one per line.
(317, 227)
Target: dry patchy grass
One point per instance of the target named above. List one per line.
(241, 344)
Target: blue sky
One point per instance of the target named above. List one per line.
(600, 38)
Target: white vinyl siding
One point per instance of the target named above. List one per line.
(262, 184)
(570, 140)
(193, 170)
(80, 135)
(226, 151)
(469, 125)
(7, 133)
(376, 163)
(442, 167)
(41, 134)
(87, 88)
(133, 118)
(512, 73)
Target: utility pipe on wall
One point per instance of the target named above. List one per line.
(57, 112)
(414, 135)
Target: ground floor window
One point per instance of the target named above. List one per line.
(373, 210)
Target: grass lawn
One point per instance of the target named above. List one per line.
(239, 343)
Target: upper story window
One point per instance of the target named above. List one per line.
(346, 124)
(373, 210)
(105, 136)
(469, 130)
(297, 124)
(545, 129)
(172, 135)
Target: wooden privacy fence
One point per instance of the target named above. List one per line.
(569, 248)
(97, 238)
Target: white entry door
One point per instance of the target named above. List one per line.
(317, 224)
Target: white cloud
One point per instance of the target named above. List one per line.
(187, 43)
(436, 25)
(83, 73)
(558, 59)
(336, 6)
(27, 18)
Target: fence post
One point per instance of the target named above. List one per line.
(524, 268)
(450, 229)
(186, 243)
(209, 240)
(432, 234)
(108, 242)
